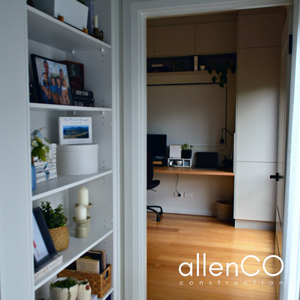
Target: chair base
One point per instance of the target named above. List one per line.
(151, 207)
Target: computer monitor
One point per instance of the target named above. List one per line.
(157, 145)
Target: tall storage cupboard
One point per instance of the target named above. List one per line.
(30, 31)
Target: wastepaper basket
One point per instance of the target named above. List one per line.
(224, 210)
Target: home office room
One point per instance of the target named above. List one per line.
(238, 121)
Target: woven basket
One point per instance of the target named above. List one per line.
(224, 210)
(99, 284)
(60, 237)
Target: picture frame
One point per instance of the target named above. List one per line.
(52, 81)
(76, 72)
(75, 130)
(43, 247)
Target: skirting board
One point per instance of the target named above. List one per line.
(254, 225)
(187, 211)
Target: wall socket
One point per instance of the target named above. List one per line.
(188, 195)
(177, 194)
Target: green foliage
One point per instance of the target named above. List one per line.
(66, 283)
(221, 71)
(53, 217)
(186, 147)
(39, 145)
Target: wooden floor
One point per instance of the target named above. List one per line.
(178, 238)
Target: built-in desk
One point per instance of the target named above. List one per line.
(191, 171)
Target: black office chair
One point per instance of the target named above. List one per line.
(151, 184)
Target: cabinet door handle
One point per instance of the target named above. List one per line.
(277, 176)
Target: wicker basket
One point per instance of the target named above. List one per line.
(99, 284)
(224, 210)
(60, 237)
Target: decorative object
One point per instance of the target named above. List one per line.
(186, 151)
(83, 196)
(74, 12)
(222, 69)
(202, 67)
(76, 73)
(39, 151)
(90, 23)
(84, 290)
(77, 159)
(100, 283)
(81, 213)
(96, 33)
(175, 151)
(88, 214)
(74, 130)
(81, 230)
(51, 80)
(195, 63)
(64, 288)
(56, 222)
(43, 247)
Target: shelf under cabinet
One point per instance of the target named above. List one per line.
(64, 182)
(77, 247)
(52, 107)
(49, 31)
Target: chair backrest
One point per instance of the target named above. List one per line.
(149, 170)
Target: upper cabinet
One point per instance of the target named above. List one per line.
(216, 37)
(150, 41)
(260, 30)
(174, 40)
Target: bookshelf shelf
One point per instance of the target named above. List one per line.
(64, 182)
(77, 247)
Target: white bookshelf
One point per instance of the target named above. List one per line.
(53, 39)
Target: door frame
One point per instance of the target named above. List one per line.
(135, 122)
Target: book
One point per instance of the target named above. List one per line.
(46, 167)
(101, 256)
(51, 160)
(88, 265)
(46, 175)
(48, 266)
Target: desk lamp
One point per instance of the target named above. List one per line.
(222, 138)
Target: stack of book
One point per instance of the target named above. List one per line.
(46, 170)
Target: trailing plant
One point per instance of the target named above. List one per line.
(53, 217)
(221, 70)
(39, 145)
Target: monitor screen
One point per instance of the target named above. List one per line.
(157, 144)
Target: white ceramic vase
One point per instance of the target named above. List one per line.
(84, 290)
(57, 293)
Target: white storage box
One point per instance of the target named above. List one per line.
(77, 159)
(74, 12)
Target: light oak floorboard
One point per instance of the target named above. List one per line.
(178, 238)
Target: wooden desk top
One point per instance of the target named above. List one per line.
(191, 171)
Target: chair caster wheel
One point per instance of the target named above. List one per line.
(158, 219)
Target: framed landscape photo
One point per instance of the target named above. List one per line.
(75, 130)
(43, 247)
(52, 81)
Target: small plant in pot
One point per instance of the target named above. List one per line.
(64, 288)
(186, 151)
(56, 222)
(84, 290)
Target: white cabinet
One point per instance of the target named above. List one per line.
(258, 74)
(55, 40)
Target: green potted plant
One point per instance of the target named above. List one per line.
(39, 152)
(186, 151)
(56, 222)
(64, 288)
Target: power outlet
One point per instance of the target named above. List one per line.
(188, 195)
(179, 194)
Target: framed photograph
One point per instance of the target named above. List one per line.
(76, 72)
(43, 247)
(75, 130)
(52, 81)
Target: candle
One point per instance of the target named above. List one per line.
(96, 21)
(81, 213)
(83, 196)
